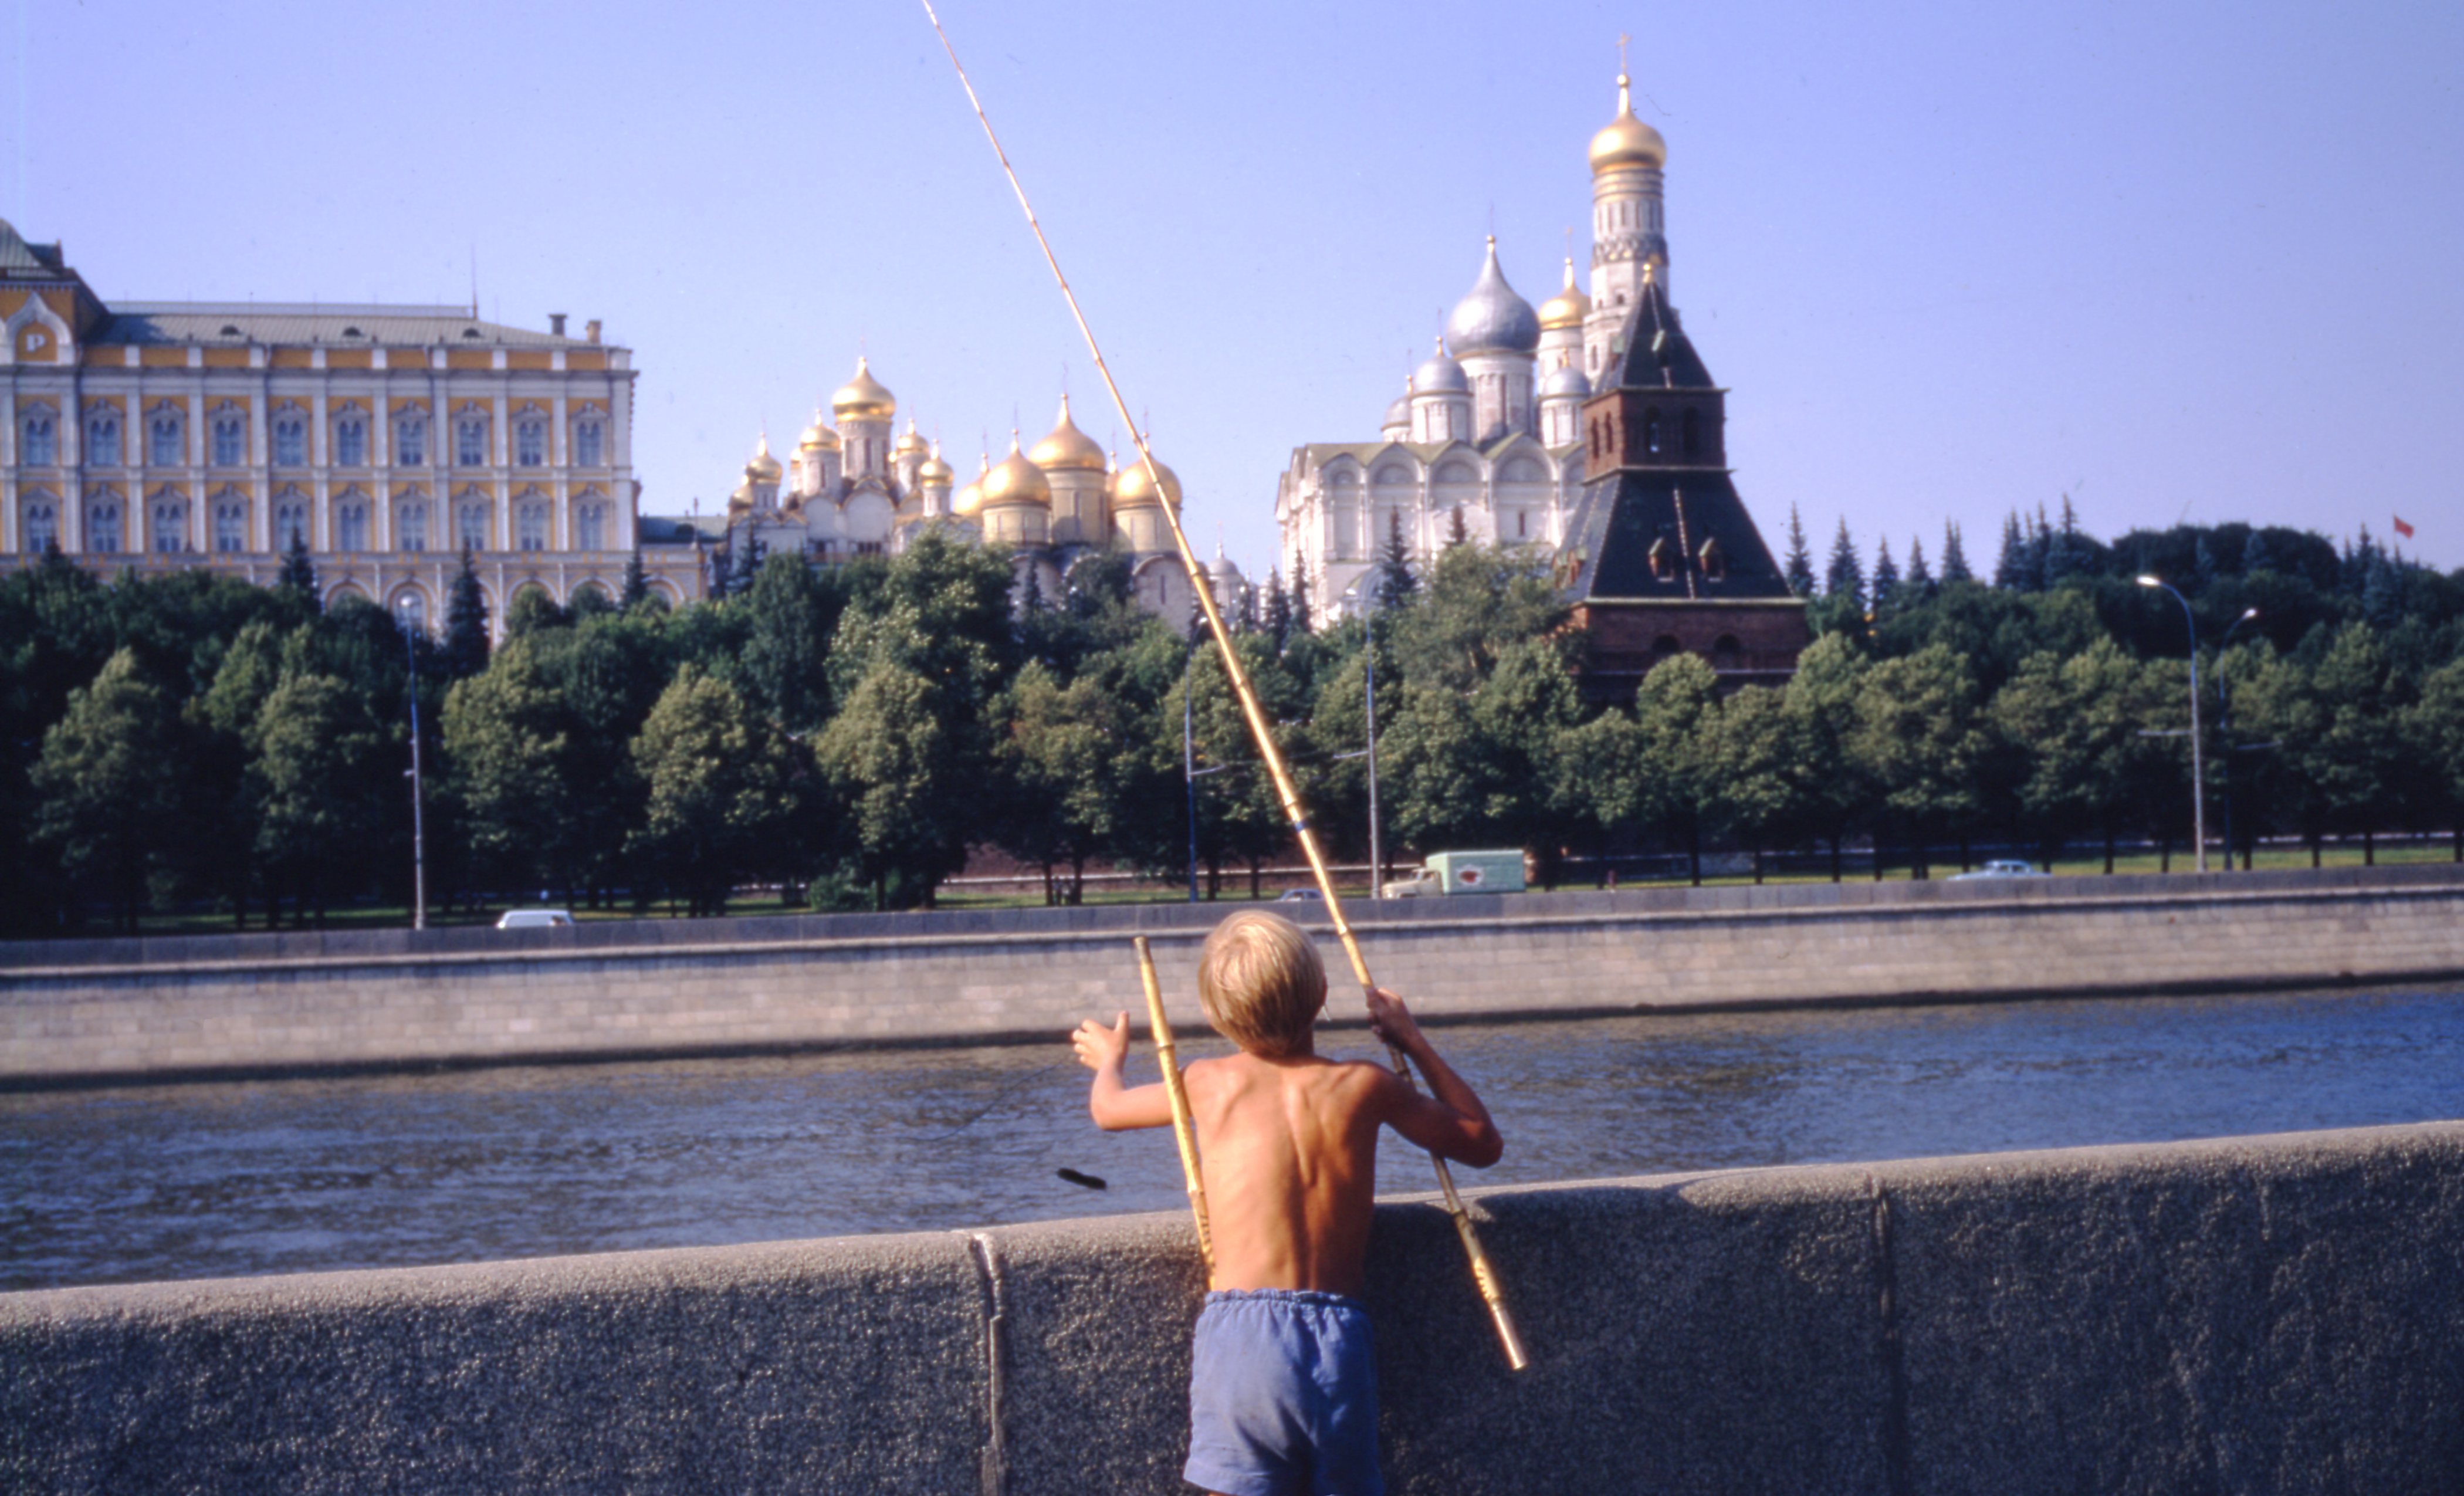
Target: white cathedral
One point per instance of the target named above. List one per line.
(851, 490)
(1489, 428)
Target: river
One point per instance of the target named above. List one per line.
(216, 1180)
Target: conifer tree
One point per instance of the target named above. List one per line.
(466, 622)
(1800, 561)
(1300, 622)
(1396, 583)
(1457, 532)
(2009, 568)
(1954, 555)
(1886, 576)
(637, 585)
(299, 573)
(1846, 576)
(2256, 556)
(1278, 619)
(1920, 575)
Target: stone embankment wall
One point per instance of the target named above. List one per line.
(2280, 1314)
(79, 1012)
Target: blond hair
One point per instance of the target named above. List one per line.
(1261, 982)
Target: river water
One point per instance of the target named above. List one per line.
(209, 1180)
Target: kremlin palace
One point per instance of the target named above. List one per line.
(388, 439)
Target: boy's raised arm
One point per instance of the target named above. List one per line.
(1451, 1123)
(1114, 1104)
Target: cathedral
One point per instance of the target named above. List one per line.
(1590, 426)
(851, 490)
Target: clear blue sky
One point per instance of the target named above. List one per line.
(2172, 259)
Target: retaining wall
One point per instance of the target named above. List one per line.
(81, 1012)
(2277, 1315)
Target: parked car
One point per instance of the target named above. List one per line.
(2000, 868)
(533, 918)
(1300, 896)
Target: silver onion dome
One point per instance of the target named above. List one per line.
(1398, 413)
(1441, 375)
(1566, 382)
(1492, 319)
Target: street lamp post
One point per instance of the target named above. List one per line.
(418, 785)
(2198, 780)
(1189, 781)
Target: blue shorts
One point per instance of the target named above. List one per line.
(1282, 1395)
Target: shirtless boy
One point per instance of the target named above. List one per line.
(1283, 1388)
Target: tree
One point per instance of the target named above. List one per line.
(1954, 556)
(1478, 602)
(2356, 758)
(1302, 621)
(786, 649)
(1886, 578)
(1277, 619)
(718, 797)
(1916, 744)
(1920, 575)
(466, 622)
(1821, 700)
(299, 574)
(2073, 729)
(1457, 532)
(2433, 732)
(107, 785)
(636, 593)
(1070, 770)
(1799, 567)
(514, 753)
(1753, 791)
(1677, 710)
(533, 611)
(907, 782)
(2012, 569)
(320, 765)
(1846, 577)
(1396, 584)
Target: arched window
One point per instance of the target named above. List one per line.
(1665, 647)
(102, 532)
(351, 525)
(40, 444)
(530, 442)
(530, 527)
(1727, 653)
(231, 442)
(471, 525)
(231, 524)
(350, 440)
(290, 521)
(410, 440)
(290, 439)
(590, 527)
(1650, 431)
(41, 530)
(411, 526)
(165, 447)
(171, 534)
(1690, 434)
(585, 442)
(102, 445)
(470, 441)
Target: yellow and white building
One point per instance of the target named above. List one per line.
(155, 436)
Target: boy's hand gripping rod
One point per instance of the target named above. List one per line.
(1484, 1276)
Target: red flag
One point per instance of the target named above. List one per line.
(2401, 528)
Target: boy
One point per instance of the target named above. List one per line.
(1282, 1395)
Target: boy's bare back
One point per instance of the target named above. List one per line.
(1290, 1144)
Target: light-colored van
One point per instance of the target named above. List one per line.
(533, 918)
(1463, 872)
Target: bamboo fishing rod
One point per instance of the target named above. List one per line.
(1483, 1276)
(1184, 1131)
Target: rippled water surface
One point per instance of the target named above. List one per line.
(180, 1181)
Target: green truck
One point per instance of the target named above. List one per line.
(1463, 872)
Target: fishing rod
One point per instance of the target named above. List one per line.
(1483, 1276)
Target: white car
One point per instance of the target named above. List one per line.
(533, 918)
(2000, 868)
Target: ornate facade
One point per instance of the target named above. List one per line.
(850, 489)
(162, 435)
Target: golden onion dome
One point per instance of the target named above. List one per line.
(933, 473)
(763, 468)
(967, 501)
(1567, 307)
(818, 436)
(909, 443)
(863, 397)
(1131, 489)
(1627, 141)
(1066, 449)
(1015, 480)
